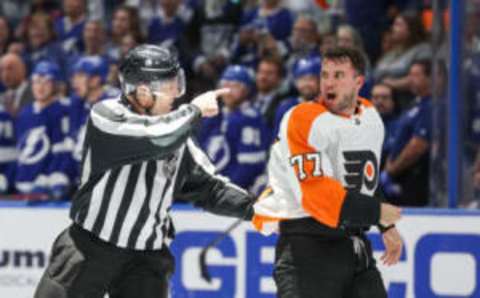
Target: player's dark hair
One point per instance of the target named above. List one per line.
(355, 56)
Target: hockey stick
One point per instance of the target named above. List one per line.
(203, 254)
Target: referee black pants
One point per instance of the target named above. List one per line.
(315, 266)
(83, 266)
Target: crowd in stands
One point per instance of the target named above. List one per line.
(58, 58)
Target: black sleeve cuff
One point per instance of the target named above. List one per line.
(359, 210)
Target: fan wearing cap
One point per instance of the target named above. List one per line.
(89, 76)
(306, 74)
(237, 139)
(44, 161)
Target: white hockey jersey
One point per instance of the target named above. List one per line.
(317, 157)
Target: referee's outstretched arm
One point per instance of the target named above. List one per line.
(121, 137)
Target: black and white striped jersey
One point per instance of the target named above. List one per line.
(134, 166)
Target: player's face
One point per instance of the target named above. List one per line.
(42, 88)
(307, 86)
(339, 85)
(238, 93)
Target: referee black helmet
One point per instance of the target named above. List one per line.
(154, 66)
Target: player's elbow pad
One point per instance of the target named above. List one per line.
(359, 210)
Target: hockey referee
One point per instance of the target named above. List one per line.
(138, 157)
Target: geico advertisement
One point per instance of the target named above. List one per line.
(441, 257)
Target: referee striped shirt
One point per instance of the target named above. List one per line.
(133, 167)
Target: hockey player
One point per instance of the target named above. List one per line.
(306, 74)
(44, 162)
(138, 157)
(237, 138)
(323, 172)
(8, 153)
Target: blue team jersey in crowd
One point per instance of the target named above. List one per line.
(8, 154)
(415, 122)
(237, 142)
(168, 32)
(68, 34)
(160, 32)
(44, 163)
(278, 24)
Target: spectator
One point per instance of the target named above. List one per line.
(44, 164)
(410, 44)
(307, 81)
(94, 38)
(384, 101)
(387, 43)
(369, 20)
(270, 91)
(125, 22)
(8, 153)
(236, 139)
(328, 40)
(264, 32)
(69, 28)
(88, 84)
(208, 40)
(95, 44)
(167, 27)
(41, 43)
(271, 17)
(129, 41)
(244, 47)
(405, 179)
(303, 41)
(51, 8)
(13, 75)
(348, 37)
(304, 38)
(149, 9)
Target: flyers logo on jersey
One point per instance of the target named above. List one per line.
(361, 168)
